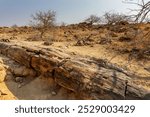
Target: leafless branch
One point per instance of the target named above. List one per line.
(143, 11)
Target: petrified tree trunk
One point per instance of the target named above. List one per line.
(88, 77)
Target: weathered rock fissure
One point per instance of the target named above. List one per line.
(88, 77)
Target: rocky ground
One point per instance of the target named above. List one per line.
(106, 62)
(19, 82)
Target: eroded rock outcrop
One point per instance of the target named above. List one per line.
(88, 77)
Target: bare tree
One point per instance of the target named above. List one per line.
(43, 21)
(143, 10)
(114, 18)
(93, 19)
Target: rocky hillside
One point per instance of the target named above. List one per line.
(76, 62)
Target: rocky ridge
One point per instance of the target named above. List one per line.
(88, 77)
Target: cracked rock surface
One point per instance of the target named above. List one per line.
(20, 82)
(56, 72)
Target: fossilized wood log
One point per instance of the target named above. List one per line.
(90, 78)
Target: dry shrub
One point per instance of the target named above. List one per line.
(112, 18)
(93, 19)
(117, 28)
(113, 34)
(104, 41)
(85, 41)
(125, 39)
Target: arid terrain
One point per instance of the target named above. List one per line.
(78, 61)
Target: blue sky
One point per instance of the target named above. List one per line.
(69, 11)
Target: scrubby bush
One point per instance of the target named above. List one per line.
(116, 18)
(43, 21)
(93, 19)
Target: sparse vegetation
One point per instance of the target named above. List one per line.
(93, 19)
(43, 21)
(116, 18)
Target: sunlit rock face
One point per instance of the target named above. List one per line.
(85, 77)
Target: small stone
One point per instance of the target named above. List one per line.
(19, 86)
(5, 40)
(64, 47)
(91, 45)
(80, 43)
(47, 43)
(1, 93)
(73, 53)
(53, 93)
(19, 79)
